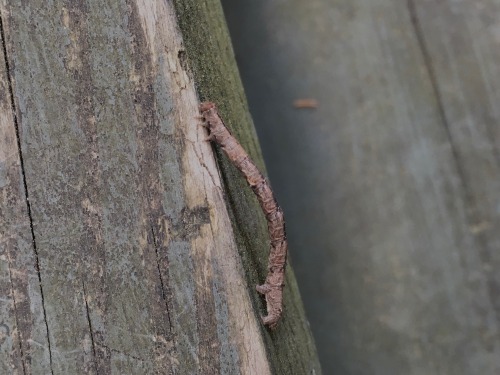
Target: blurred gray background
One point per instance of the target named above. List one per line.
(391, 185)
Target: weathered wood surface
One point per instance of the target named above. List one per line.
(23, 337)
(118, 254)
(391, 187)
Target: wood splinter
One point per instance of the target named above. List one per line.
(272, 289)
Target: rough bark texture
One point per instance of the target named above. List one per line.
(118, 252)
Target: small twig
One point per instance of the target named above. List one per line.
(273, 286)
(305, 103)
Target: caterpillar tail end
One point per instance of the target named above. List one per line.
(274, 297)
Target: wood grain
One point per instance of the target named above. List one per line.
(138, 263)
(24, 346)
(291, 348)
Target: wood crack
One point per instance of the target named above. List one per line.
(25, 185)
(121, 353)
(163, 292)
(89, 321)
(206, 167)
(21, 350)
(437, 94)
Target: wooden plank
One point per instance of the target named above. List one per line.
(23, 336)
(291, 348)
(139, 267)
(12, 200)
(394, 274)
(461, 43)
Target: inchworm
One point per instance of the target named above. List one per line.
(272, 289)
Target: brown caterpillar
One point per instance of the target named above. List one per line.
(272, 289)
